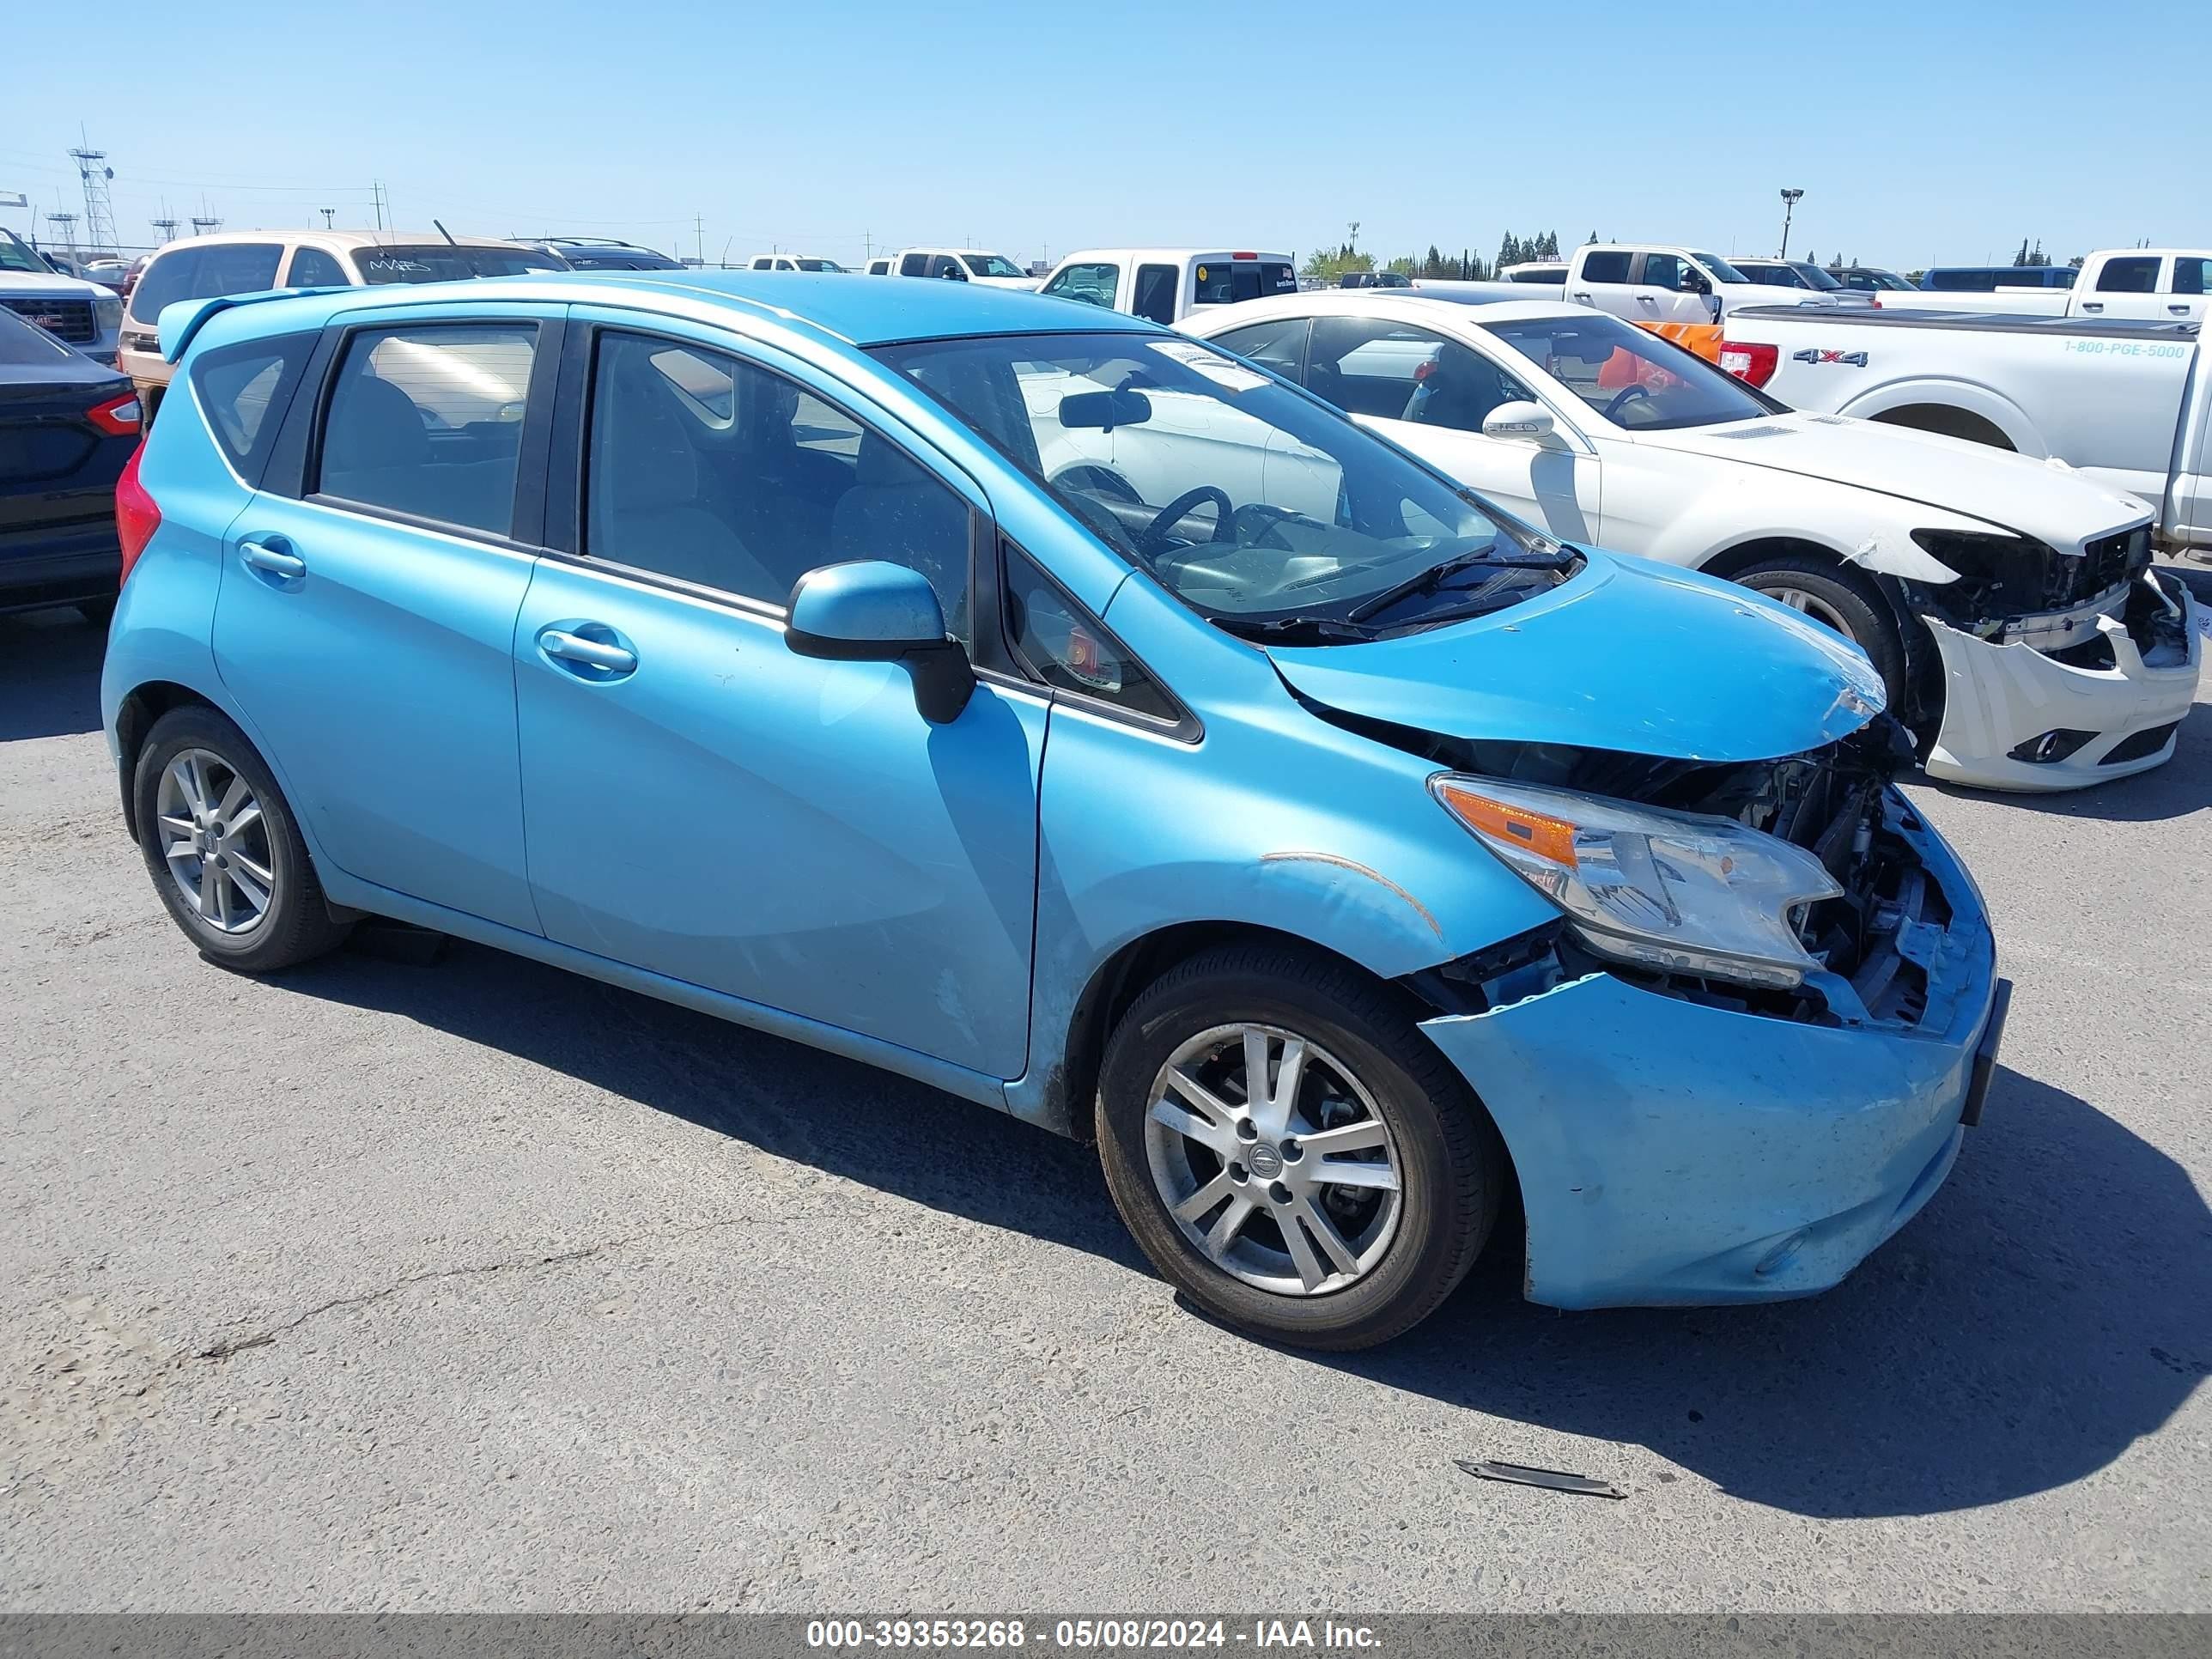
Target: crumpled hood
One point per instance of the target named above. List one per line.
(1628, 655)
(2050, 502)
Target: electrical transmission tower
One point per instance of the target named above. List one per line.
(167, 226)
(92, 169)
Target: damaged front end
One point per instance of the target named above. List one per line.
(2059, 670)
(1692, 1137)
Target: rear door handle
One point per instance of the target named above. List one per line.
(2092, 304)
(593, 653)
(262, 555)
(2178, 310)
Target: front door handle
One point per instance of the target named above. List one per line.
(273, 560)
(593, 653)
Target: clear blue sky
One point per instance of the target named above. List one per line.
(1935, 131)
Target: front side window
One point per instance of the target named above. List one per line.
(313, 268)
(1254, 505)
(201, 273)
(427, 422)
(1155, 296)
(2192, 276)
(1399, 373)
(244, 390)
(1628, 375)
(1607, 267)
(443, 262)
(947, 269)
(1662, 271)
(1093, 283)
(2136, 274)
(830, 266)
(717, 472)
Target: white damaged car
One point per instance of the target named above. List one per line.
(2009, 605)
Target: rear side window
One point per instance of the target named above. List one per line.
(200, 273)
(914, 264)
(1280, 346)
(427, 422)
(1605, 267)
(244, 390)
(1155, 296)
(2136, 274)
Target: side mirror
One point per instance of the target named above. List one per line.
(1693, 281)
(1518, 419)
(873, 610)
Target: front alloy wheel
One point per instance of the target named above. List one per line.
(1291, 1151)
(1272, 1159)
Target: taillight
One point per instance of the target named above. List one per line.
(137, 516)
(1751, 362)
(119, 417)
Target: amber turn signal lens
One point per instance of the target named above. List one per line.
(1546, 836)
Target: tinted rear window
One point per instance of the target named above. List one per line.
(1226, 282)
(200, 273)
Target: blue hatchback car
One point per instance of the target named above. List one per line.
(1061, 712)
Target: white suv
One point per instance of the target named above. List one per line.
(254, 261)
(78, 314)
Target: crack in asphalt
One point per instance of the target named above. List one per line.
(226, 1347)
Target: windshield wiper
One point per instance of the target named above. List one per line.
(1436, 575)
(1297, 631)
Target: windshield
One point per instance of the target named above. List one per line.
(13, 256)
(438, 264)
(1630, 376)
(992, 264)
(1255, 505)
(832, 264)
(1720, 267)
(1816, 278)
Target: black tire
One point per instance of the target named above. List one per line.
(1867, 620)
(296, 925)
(1452, 1164)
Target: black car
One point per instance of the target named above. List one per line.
(67, 427)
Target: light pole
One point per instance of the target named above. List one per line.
(1790, 200)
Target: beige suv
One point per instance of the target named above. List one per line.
(255, 261)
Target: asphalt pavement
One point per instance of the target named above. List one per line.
(468, 1284)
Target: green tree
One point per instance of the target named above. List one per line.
(1405, 265)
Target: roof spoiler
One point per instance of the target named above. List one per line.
(179, 321)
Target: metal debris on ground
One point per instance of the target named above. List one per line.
(1520, 1474)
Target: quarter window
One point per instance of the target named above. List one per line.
(1060, 643)
(2132, 274)
(244, 390)
(427, 422)
(715, 472)
(1093, 283)
(313, 268)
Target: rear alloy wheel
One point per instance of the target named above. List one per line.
(1290, 1152)
(223, 849)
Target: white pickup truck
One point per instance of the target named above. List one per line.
(2128, 404)
(1644, 284)
(1167, 285)
(2147, 284)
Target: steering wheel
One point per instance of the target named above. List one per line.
(1620, 400)
(1263, 520)
(1156, 532)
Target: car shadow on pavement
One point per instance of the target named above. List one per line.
(2053, 1305)
(2182, 786)
(50, 674)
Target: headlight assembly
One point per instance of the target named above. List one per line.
(1673, 890)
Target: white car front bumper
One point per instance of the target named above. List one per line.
(1999, 698)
